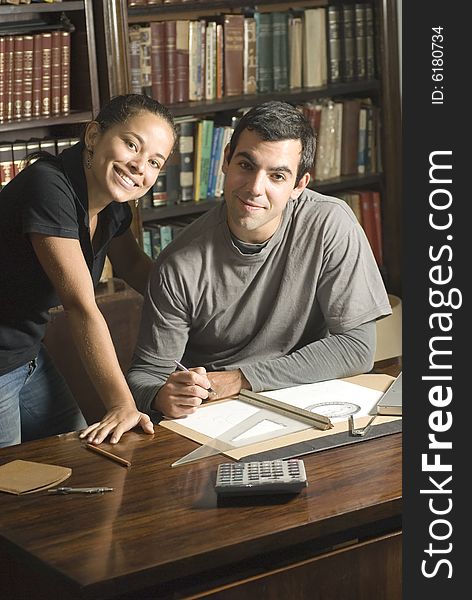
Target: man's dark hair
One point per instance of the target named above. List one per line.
(275, 121)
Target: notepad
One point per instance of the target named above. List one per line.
(391, 401)
(24, 476)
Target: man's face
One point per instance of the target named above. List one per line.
(259, 181)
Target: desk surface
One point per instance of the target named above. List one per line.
(163, 524)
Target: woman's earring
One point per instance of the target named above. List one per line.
(136, 202)
(88, 162)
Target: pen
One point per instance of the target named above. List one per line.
(87, 490)
(182, 368)
(118, 459)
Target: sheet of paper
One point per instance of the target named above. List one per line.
(335, 398)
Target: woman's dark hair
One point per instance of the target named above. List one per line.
(122, 108)
(275, 121)
(118, 110)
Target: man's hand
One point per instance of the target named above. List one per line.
(227, 383)
(116, 422)
(182, 393)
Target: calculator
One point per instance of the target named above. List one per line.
(261, 477)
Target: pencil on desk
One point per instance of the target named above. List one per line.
(118, 459)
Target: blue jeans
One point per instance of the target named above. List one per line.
(36, 402)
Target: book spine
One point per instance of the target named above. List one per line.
(362, 142)
(145, 59)
(158, 68)
(159, 189)
(334, 44)
(195, 65)
(170, 30)
(37, 79)
(207, 138)
(147, 241)
(280, 51)
(220, 177)
(186, 131)
(210, 61)
(9, 61)
(202, 60)
(213, 161)
(219, 83)
(6, 163)
(65, 72)
(349, 43)
(18, 77)
(233, 54)
(134, 34)
(250, 63)
(360, 36)
(370, 45)
(295, 41)
(46, 48)
(56, 72)
(264, 52)
(182, 61)
(350, 136)
(27, 109)
(197, 160)
(2, 79)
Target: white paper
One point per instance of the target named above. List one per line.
(334, 398)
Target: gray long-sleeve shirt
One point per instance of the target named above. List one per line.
(301, 310)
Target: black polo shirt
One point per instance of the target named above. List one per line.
(48, 197)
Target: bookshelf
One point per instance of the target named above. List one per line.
(34, 19)
(113, 20)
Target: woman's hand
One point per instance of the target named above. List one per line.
(116, 422)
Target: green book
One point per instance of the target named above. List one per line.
(280, 50)
(205, 156)
(265, 77)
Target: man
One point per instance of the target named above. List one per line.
(275, 287)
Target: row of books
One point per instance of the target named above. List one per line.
(366, 205)
(194, 171)
(234, 54)
(156, 236)
(348, 134)
(34, 75)
(348, 137)
(13, 154)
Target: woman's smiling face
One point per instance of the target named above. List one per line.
(127, 157)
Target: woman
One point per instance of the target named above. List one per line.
(59, 218)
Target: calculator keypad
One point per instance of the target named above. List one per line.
(261, 477)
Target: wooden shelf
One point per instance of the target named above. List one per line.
(297, 96)
(35, 122)
(169, 211)
(40, 7)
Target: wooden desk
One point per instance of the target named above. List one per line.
(160, 534)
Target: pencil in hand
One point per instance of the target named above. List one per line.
(181, 367)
